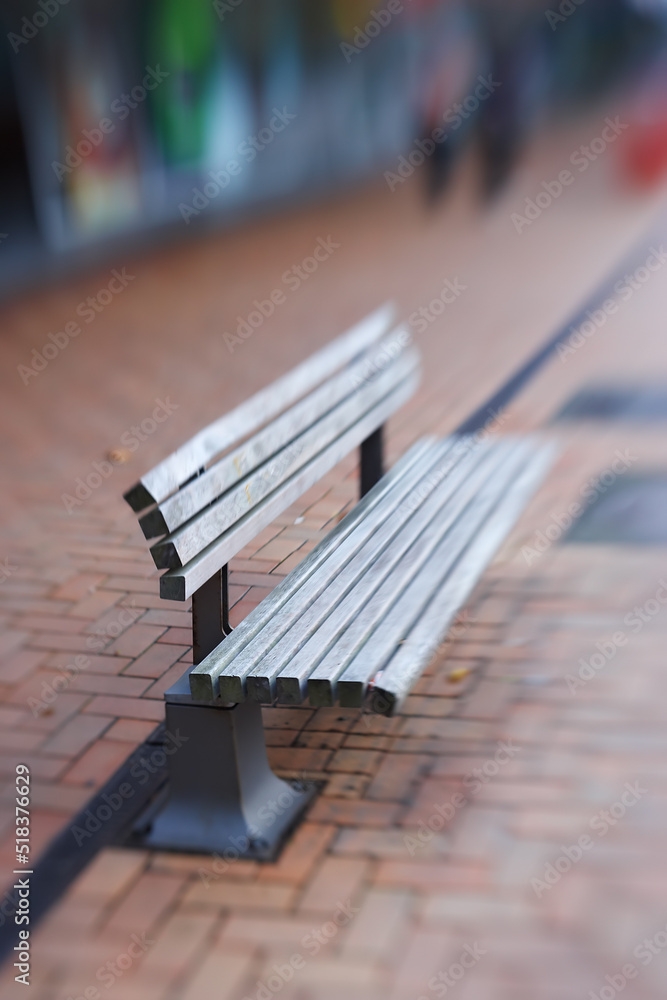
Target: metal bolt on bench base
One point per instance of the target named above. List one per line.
(222, 796)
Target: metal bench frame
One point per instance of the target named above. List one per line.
(408, 569)
(222, 796)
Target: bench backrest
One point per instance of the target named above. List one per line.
(216, 492)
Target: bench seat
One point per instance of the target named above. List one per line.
(361, 616)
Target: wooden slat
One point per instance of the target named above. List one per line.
(179, 584)
(399, 546)
(179, 467)
(393, 684)
(459, 494)
(325, 584)
(187, 542)
(208, 487)
(393, 485)
(384, 640)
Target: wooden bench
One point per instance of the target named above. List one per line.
(359, 618)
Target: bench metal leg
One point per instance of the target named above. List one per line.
(223, 798)
(210, 615)
(371, 461)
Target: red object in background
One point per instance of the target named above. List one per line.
(644, 149)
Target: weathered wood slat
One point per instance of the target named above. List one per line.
(181, 583)
(208, 487)
(394, 486)
(187, 542)
(393, 684)
(323, 586)
(351, 621)
(179, 467)
(388, 634)
(352, 595)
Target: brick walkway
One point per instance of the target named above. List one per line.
(411, 864)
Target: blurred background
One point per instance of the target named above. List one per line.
(202, 149)
(116, 115)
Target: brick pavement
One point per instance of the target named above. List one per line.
(83, 584)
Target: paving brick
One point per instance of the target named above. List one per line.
(50, 623)
(177, 944)
(56, 640)
(335, 881)
(76, 735)
(109, 875)
(94, 664)
(136, 640)
(301, 853)
(155, 661)
(46, 795)
(349, 813)
(395, 777)
(149, 898)
(94, 605)
(430, 875)
(177, 636)
(285, 718)
(241, 895)
(17, 666)
(131, 731)
(268, 932)
(355, 761)
(176, 619)
(172, 675)
(109, 684)
(390, 843)
(346, 786)
(97, 764)
(79, 587)
(127, 708)
(380, 926)
(293, 760)
(221, 975)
